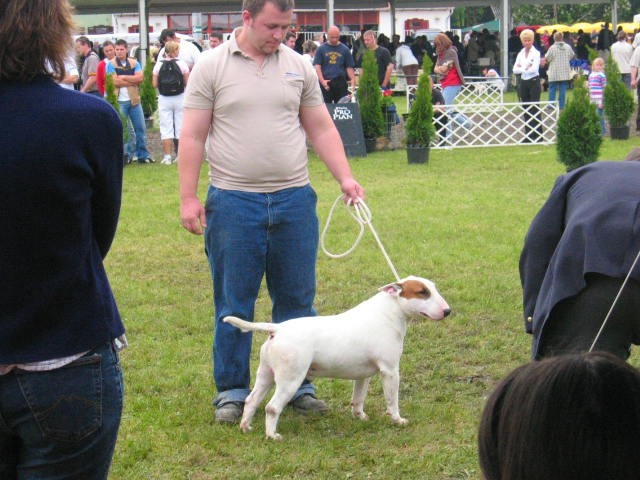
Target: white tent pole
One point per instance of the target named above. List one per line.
(505, 28)
(143, 31)
(392, 7)
(330, 14)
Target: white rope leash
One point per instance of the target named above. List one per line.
(362, 215)
(615, 301)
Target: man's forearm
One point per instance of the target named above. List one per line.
(90, 83)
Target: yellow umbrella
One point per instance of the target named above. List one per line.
(630, 27)
(550, 28)
(597, 26)
(561, 28)
(545, 28)
(584, 26)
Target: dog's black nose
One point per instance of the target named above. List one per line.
(447, 311)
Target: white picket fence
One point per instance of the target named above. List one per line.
(480, 118)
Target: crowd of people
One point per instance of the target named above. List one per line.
(337, 59)
(550, 61)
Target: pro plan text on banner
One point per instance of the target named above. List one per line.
(346, 117)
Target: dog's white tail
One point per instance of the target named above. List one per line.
(250, 326)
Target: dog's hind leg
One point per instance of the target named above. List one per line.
(357, 400)
(390, 386)
(285, 390)
(264, 380)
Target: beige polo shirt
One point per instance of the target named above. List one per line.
(256, 142)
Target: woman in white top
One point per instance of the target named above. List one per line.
(527, 66)
(170, 106)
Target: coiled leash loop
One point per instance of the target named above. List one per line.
(362, 215)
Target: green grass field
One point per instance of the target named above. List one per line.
(459, 220)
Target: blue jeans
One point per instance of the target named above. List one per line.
(130, 147)
(248, 236)
(561, 88)
(449, 94)
(61, 423)
(136, 115)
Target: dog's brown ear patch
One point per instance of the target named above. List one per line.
(415, 289)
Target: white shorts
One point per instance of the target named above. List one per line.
(170, 112)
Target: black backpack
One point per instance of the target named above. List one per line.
(170, 78)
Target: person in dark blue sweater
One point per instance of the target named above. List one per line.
(60, 183)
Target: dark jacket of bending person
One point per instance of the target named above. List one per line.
(577, 252)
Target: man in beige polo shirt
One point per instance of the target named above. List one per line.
(250, 102)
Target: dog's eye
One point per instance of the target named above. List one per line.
(425, 293)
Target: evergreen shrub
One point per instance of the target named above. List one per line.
(579, 134)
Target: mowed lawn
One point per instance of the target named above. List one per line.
(459, 220)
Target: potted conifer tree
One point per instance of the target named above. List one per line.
(618, 102)
(579, 132)
(148, 95)
(370, 101)
(419, 127)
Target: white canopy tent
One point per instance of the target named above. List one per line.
(501, 8)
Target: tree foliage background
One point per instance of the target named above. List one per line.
(549, 14)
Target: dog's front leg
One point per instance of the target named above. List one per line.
(390, 386)
(357, 400)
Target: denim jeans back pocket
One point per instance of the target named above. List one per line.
(66, 403)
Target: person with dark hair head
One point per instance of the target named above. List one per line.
(84, 48)
(215, 39)
(251, 104)
(60, 378)
(109, 50)
(290, 40)
(579, 249)
(189, 53)
(574, 416)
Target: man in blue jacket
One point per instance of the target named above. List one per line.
(579, 249)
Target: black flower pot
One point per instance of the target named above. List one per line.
(417, 153)
(619, 133)
(370, 144)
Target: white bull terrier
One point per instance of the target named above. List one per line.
(353, 345)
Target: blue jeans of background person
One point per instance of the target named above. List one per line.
(248, 236)
(136, 115)
(61, 423)
(449, 94)
(130, 147)
(561, 89)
